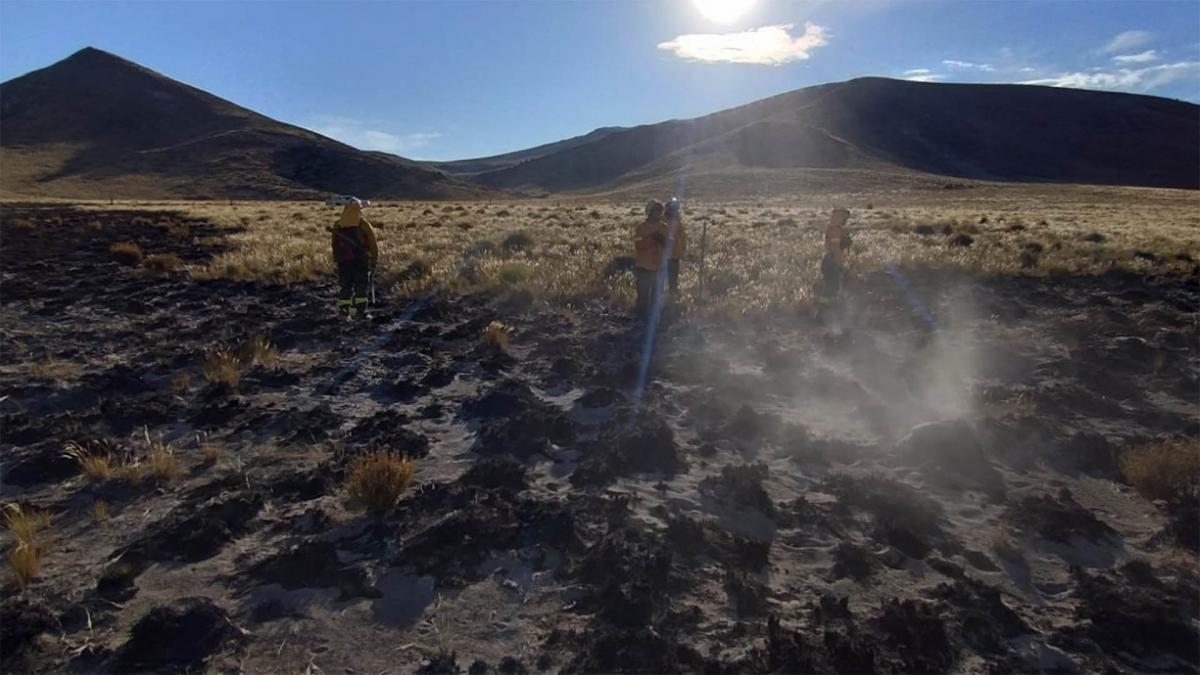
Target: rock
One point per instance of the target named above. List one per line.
(961, 240)
(176, 638)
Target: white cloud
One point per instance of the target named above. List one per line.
(967, 65)
(922, 75)
(1125, 41)
(365, 136)
(1143, 57)
(1131, 79)
(768, 45)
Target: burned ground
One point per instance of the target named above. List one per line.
(770, 504)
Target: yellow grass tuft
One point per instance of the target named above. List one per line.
(1169, 471)
(99, 511)
(221, 366)
(376, 481)
(258, 349)
(496, 335)
(25, 556)
(127, 253)
(97, 464)
(161, 463)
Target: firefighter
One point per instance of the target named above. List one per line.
(355, 253)
(649, 247)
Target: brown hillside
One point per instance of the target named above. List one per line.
(987, 132)
(96, 125)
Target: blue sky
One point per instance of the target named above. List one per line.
(450, 80)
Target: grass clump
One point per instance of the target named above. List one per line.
(28, 549)
(99, 511)
(1169, 471)
(161, 463)
(97, 462)
(162, 263)
(258, 349)
(376, 481)
(221, 366)
(495, 335)
(127, 253)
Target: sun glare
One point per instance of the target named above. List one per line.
(723, 11)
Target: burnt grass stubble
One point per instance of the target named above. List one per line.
(711, 585)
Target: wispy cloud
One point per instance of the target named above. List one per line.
(366, 135)
(922, 75)
(967, 65)
(1143, 57)
(1130, 79)
(1126, 41)
(768, 45)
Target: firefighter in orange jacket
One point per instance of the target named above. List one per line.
(649, 247)
(355, 253)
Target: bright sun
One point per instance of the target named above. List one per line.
(723, 11)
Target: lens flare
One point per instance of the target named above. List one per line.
(723, 11)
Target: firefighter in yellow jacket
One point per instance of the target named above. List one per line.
(649, 247)
(355, 253)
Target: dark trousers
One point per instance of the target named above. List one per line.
(354, 280)
(645, 280)
(832, 273)
(673, 276)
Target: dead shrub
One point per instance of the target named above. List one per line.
(376, 481)
(517, 241)
(127, 253)
(1169, 471)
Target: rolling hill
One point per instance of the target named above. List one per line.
(975, 131)
(95, 125)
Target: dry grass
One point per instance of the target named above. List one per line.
(1169, 470)
(210, 451)
(161, 463)
(28, 548)
(97, 463)
(258, 349)
(376, 481)
(127, 253)
(763, 255)
(221, 366)
(99, 511)
(54, 369)
(162, 263)
(181, 383)
(496, 335)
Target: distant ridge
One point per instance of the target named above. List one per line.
(977, 131)
(97, 125)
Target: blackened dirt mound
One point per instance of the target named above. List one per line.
(176, 638)
(649, 446)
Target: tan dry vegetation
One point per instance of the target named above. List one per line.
(25, 554)
(54, 369)
(761, 255)
(376, 481)
(1168, 470)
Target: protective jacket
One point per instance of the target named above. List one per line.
(649, 243)
(354, 239)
